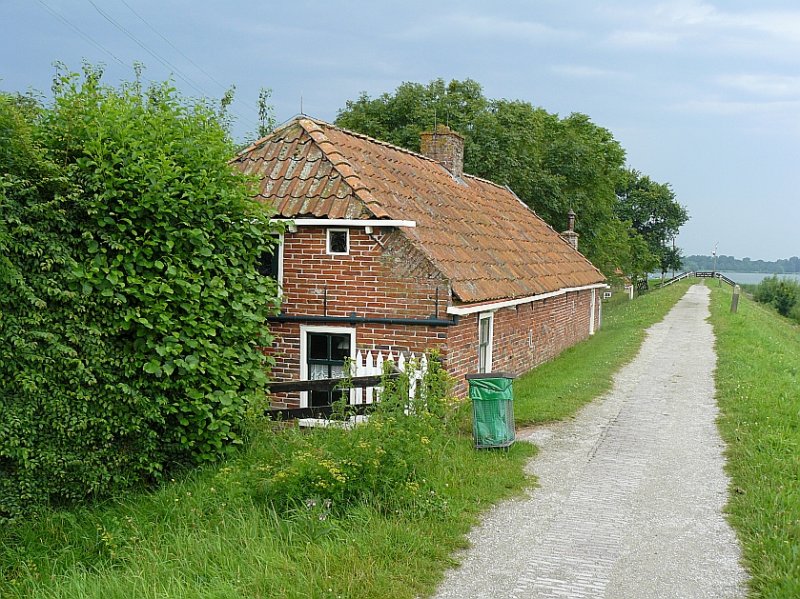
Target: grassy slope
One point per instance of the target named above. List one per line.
(555, 390)
(758, 389)
(205, 536)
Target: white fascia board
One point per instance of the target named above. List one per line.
(489, 306)
(346, 222)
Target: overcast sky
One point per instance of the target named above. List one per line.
(703, 95)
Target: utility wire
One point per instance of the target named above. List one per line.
(101, 47)
(163, 61)
(159, 34)
(178, 50)
(82, 33)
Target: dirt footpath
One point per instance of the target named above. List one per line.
(631, 491)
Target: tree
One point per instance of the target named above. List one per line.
(132, 311)
(400, 117)
(781, 294)
(653, 211)
(553, 164)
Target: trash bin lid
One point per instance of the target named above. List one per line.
(490, 375)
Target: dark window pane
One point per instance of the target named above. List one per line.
(319, 398)
(327, 353)
(338, 242)
(318, 346)
(340, 347)
(268, 263)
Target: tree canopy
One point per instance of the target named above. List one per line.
(131, 311)
(553, 164)
(651, 209)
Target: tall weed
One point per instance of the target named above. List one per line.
(382, 461)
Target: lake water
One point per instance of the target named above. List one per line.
(756, 277)
(750, 278)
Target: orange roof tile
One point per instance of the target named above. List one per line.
(478, 234)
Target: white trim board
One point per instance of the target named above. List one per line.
(345, 222)
(464, 310)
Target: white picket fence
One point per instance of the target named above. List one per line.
(370, 364)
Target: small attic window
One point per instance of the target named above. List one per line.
(338, 241)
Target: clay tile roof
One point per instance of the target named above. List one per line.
(478, 234)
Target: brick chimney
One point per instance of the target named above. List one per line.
(570, 236)
(444, 146)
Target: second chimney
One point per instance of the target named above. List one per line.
(570, 236)
(445, 146)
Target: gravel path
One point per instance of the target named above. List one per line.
(631, 491)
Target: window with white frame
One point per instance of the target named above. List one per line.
(485, 333)
(324, 352)
(270, 263)
(338, 241)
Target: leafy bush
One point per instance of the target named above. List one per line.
(383, 461)
(781, 294)
(130, 309)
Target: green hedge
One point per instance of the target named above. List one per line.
(131, 311)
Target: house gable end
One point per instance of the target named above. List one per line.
(301, 174)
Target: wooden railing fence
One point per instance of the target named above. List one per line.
(364, 385)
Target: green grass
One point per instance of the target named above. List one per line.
(556, 389)
(207, 534)
(758, 390)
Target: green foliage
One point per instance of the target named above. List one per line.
(383, 461)
(213, 534)
(757, 380)
(131, 309)
(400, 117)
(731, 263)
(553, 164)
(651, 209)
(781, 294)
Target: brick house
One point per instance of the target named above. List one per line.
(390, 250)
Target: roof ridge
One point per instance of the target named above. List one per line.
(411, 152)
(321, 123)
(482, 180)
(341, 165)
(375, 140)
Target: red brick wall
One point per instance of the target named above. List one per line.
(395, 280)
(524, 336)
(383, 276)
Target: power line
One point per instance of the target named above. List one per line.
(163, 61)
(188, 58)
(85, 35)
(101, 47)
(159, 34)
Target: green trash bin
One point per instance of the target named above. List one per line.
(492, 396)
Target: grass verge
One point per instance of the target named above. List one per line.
(758, 378)
(557, 389)
(219, 533)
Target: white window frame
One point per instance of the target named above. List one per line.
(328, 242)
(592, 304)
(489, 347)
(304, 331)
(279, 279)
